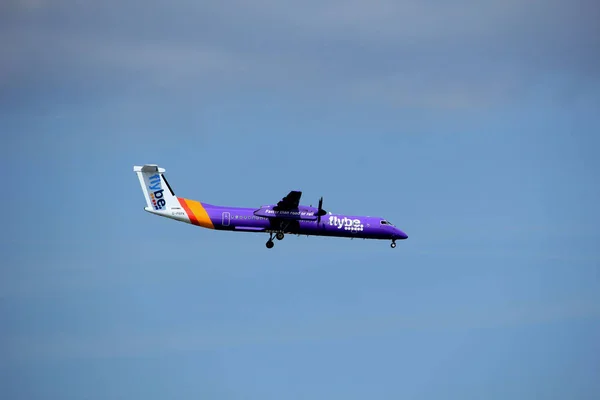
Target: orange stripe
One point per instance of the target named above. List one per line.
(189, 213)
(197, 213)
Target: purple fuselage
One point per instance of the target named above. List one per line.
(302, 221)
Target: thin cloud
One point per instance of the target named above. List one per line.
(125, 342)
(409, 53)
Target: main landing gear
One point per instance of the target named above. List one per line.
(278, 236)
(393, 244)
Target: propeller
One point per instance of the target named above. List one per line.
(320, 212)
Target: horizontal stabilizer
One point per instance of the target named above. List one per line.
(148, 168)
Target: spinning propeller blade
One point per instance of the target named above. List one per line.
(321, 211)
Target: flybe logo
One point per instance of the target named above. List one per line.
(346, 223)
(156, 192)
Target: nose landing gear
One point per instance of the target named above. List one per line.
(393, 245)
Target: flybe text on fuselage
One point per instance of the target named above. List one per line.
(156, 192)
(348, 224)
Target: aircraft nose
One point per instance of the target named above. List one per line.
(401, 235)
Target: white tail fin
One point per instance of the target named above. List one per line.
(159, 195)
(161, 200)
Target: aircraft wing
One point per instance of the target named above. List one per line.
(290, 202)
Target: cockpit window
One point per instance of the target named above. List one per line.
(384, 222)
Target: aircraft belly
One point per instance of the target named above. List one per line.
(249, 228)
(246, 225)
(326, 230)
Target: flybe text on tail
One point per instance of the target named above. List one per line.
(156, 192)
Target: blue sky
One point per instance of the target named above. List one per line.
(473, 126)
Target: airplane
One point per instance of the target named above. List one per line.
(288, 216)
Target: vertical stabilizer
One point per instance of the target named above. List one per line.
(161, 200)
(157, 192)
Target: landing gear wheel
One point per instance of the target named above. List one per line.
(393, 245)
(279, 235)
(270, 244)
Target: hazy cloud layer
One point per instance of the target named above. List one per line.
(127, 342)
(404, 52)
